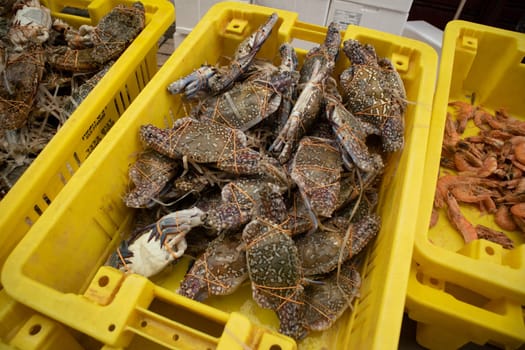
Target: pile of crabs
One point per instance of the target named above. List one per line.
(272, 179)
(46, 69)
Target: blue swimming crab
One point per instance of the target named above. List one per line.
(317, 67)
(330, 296)
(149, 173)
(204, 141)
(249, 102)
(220, 270)
(274, 268)
(107, 40)
(316, 169)
(214, 80)
(374, 92)
(351, 132)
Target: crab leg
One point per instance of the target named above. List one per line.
(193, 82)
(208, 78)
(303, 114)
(243, 56)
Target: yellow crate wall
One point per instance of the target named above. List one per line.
(87, 221)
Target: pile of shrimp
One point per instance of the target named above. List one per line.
(487, 172)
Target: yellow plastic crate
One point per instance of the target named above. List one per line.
(450, 316)
(23, 328)
(60, 258)
(74, 142)
(486, 64)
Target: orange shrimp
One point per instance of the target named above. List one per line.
(519, 152)
(451, 136)
(459, 220)
(518, 212)
(503, 218)
(492, 235)
(465, 111)
(467, 193)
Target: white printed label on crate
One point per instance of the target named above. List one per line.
(344, 17)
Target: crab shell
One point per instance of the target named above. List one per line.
(275, 272)
(219, 271)
(320, 250)
(326, 301)
(316, 169)
(31, 23)
(374, 91)
(150, 173)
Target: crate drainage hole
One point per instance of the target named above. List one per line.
(175, 337)
(523, 60)
(275, 347)
(111, 327)
(37, 210)
(103, 281)
(35, 329)
(143, 324)
(489, 250)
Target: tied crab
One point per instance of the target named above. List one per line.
(214, 80)
(318, 65)
(316, 169)
(239, 199)
(274, 267)
(107, 40)
(374, 92)
(22, 63)
(204, 141)
(249, 102)
(220, 270)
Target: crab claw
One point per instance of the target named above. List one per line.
(193, 82)
(177, 224)
(244, 55)
(144, 256)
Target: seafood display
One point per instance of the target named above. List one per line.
(46, 69)
(270, 179)
(488, 170)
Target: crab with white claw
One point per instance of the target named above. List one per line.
(239, 198)
(151, 252)
(374, 92)
(215, 80)
(249, 102)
